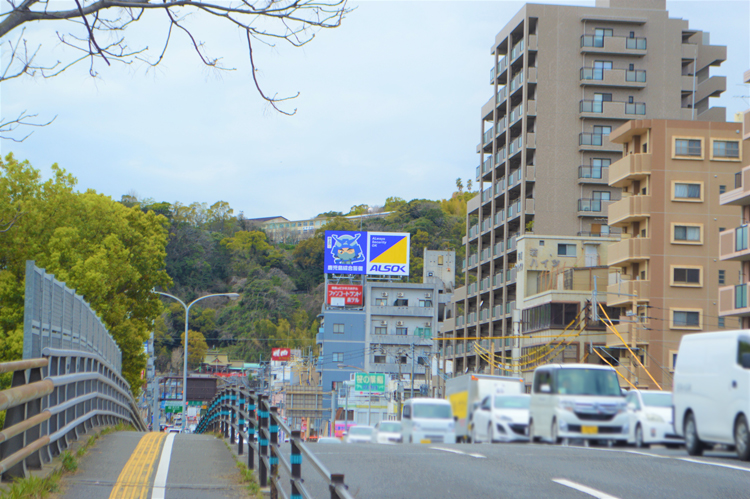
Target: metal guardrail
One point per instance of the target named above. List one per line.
(55, 399)
(237, 413)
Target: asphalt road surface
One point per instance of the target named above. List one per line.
(525, 471)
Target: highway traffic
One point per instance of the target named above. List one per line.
(519, 471)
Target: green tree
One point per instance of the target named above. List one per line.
(197, 348)
(112, 255)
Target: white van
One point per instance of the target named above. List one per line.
(580, 401)
(427, 421)
(712, 391)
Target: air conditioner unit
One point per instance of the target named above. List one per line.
(385, 294)
(428, 324)
(428, 295)
(400, 323)
(383, 323)
(400, 295)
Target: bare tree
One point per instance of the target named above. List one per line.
(95, 30)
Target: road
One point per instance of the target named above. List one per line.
(133, 464)
(527, 471)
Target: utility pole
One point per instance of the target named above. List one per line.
(412, 371)
(398, 385)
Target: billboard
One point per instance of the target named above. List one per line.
(281, 354)
(369, 253)
(345, 252)
(340, 295)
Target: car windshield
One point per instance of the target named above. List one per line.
(390, 427)
(432, 411)
(588, 382)
(360, 430)
(511, 402)
(657, 399)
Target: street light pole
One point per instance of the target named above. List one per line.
(231, 296)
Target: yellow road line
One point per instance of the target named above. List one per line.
(133, 481)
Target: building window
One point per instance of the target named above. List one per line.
(726, 149)
(401, 302)
(338, 356)
(338, 328)
(740, 296)
(381, 302)
(687, 147)
(740, 238)
(566, 250)
(403, 331)
(602, 130)
(686, 276)
(687, 191)
(722, 276)
(379, 359)
(687, 233)
(686, 319)
(440, 259)
(721, 322)
(381, 330)
(425, 303)
(602, 195)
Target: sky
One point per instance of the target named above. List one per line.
(389, 105)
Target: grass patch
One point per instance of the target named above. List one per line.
(39, 488)
(246, 475)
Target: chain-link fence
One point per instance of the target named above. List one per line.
(56, 317)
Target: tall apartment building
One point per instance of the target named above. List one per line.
(672, 175)
(734, 242)
(562, 78)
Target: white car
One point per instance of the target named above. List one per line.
(577, 401)
(428, 421)
(387, 432)
(359, 435)
(650, 414)
(501, 418)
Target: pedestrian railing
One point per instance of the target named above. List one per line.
(243, 416)
(55, 399)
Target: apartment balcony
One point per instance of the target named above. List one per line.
(733, 301)
(711, 55)
(532, 75)
(614, 45)
(593, 207)
(531, 107)
(740, 195)
(734, 244)
(516, 82)
(517, 50)
(532, 42)
(625, 78)
(531, 140)
(624, 292)
(459, 294)
(588, 141)
(686, 83)
(611, 109)
(711, 87)
(629, 168)
(516, 113)
(630, 209)
(502, 94)
(635, 249)
(473, 204)
(487, 109)
(714, 114)
(588, 174)
(473, 231)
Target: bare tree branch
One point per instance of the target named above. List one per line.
(6, 226)
(24, 119)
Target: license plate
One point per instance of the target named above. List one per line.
(425, 441)
(589, 430)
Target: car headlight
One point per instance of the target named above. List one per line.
(568, 405)
(653, 417)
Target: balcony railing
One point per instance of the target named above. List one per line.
(517, 50)
(635, 75)
(515, 145)
(597, 74)
(500, 156)
(590, 139)
(488, 135)
(473, 231)
(516, 113)
(594, 205)
(590, 171)
(487, 165)
(516, 82)
(635, 43)
(635, 108)
(598, 42)
(501, 95)
(597, 106)
(499, 217)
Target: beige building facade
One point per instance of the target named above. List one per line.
(666, 272)
(734, 244)
(562, 78)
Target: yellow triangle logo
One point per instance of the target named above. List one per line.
(396, 254)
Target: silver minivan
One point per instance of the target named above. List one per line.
(427, 421)
(577, 401)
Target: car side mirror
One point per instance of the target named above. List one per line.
(485, 408)
(545, 388)
(745, 359)
(455, 418)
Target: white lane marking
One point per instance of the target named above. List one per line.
(454, 451)
(582, 488)
(160, 482)
(721, 465)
